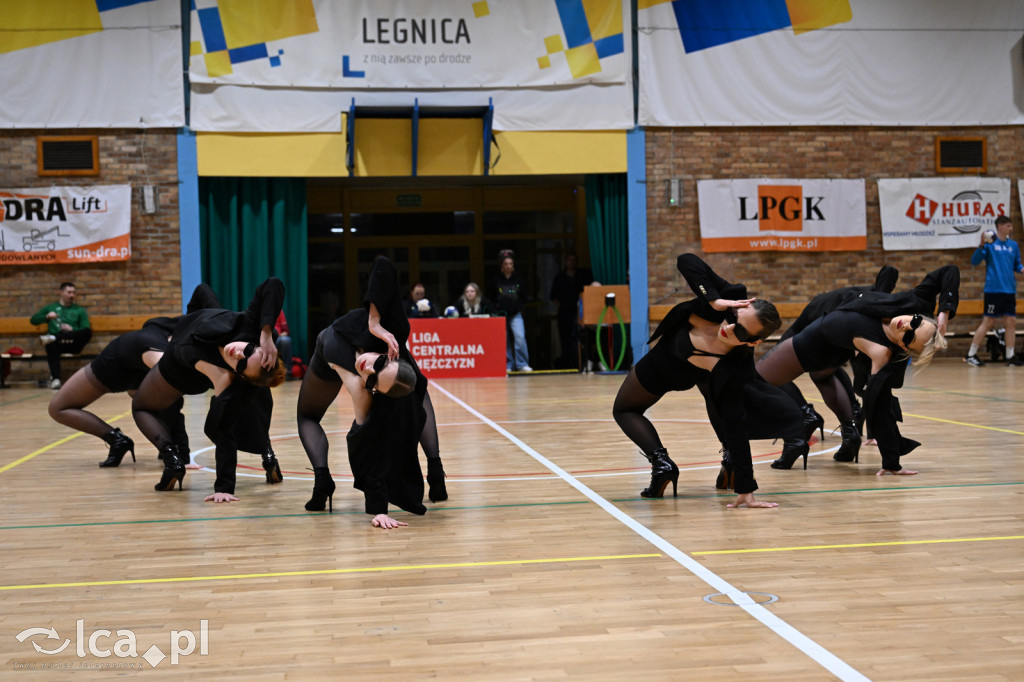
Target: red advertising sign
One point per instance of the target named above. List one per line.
(460, 347)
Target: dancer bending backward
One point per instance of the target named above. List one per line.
(121, 366)
(941, 287)
(365, 352)
(234, 354)
(820, 305)
(883, 327)
(707, 342)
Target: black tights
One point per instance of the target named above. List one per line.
(151, 405)
(631, 402)
(781, 366)
(83, 389)
(316, 395)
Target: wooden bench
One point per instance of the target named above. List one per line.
(18, 331)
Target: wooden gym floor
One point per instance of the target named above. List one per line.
(544, 563)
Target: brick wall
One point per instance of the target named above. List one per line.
(836, 152)
(150, 282)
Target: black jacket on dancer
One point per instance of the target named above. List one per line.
(383, 450)
(882, 408)
(239, 416)
(741, 405)
(730, 388)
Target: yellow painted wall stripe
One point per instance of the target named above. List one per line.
(337, 571)
(860, 544)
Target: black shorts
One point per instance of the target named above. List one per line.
(1000, 305)
(186, 380)
(119, 366)
(318, 363)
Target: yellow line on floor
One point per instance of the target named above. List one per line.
(337, 571)
(859, 544)
(973, 426)
(51, 446)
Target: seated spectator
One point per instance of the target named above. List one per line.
(284, 344)
(67, 330)
(472, 302)
(419, 306)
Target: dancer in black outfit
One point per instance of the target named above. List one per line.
(885, 281)
(121, 366)
(365, 351)
(217, 349)
(707, 342)
(940, 287)
(831, 341)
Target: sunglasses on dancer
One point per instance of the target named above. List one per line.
(378, 366)
(244, 361)
(742, 335)
(908, 336)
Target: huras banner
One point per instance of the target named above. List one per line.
(939, 213)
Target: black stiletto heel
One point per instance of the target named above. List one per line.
(323, 491)
(438, 492)
(812, 422)
(858, 417)
(119, 445)
(663, 470)
(271, 466)
(849, 451)
(174, 468)
(792, 450)
(726, 478)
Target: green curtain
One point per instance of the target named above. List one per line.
(608, 227)
(250, 229)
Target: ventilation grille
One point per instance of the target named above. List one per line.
(960, 155)
(68, 155)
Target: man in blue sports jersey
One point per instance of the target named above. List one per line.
(1002, 260)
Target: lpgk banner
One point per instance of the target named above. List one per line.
(770, 214)
(45, 225)
(939, 213)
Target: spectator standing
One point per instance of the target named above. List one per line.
(510, 294)
(566, 288)
(1002, 260)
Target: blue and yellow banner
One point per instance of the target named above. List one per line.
(376, 44)
(91, 64)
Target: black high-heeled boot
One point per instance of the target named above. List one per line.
(849, 451)
(858, 417)
(726, 478)
(271, 466)
(663, 470)
(119, 444)
(792, 450)
(174, 468)
(323, 490)
(438, 492)
(812, 422)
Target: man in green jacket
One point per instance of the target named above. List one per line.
(67, 329)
